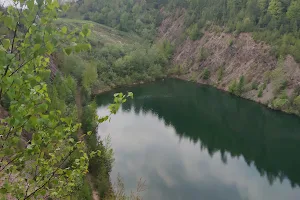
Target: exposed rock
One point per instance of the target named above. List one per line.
(237, 55)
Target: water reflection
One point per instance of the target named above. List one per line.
(196, 142)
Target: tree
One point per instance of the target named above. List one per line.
(89, 76)
(293, 12)
(39, 157)
(124, 21)
(275, 8)
(35, 143)
(263, 5)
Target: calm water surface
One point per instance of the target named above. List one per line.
(195, 142)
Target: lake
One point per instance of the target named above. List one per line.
(190, 141)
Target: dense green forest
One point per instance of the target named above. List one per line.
(275, 21)
(141, 17)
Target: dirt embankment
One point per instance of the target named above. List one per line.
(227, 58)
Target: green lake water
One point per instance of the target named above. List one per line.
(195, 142)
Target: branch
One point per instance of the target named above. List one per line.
(22, 65)
(13, 42)
(36, 167)
(11, 161)
(52, 175)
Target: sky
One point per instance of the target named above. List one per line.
(6, 2)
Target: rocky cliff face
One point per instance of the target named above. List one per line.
(226, 58)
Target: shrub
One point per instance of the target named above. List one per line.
(220, 73)
(194, 32)
(237, 88)
(279, 103)
(264, 86)
(84, 191)
(278, 79)
(260, 93)
(240, 87)
(232, 86)
(176, 70)
(206, 74)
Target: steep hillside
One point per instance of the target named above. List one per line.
(116, 58)
(101, 34)
(235, 63)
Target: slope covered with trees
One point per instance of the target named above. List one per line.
(116, 58)
(274, 21)
(141, 17)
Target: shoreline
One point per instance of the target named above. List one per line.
(203, 83)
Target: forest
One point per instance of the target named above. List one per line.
(276, 22)
(54, 59)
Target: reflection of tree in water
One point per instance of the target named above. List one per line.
(225, 124)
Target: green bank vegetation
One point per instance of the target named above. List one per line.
(48, 143)
(115, 59)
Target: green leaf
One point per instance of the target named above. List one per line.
(30, 4)
(82, 47)
(92, 154)
(68, 50)
(86, 32)
(130, 94)
(6, 43)
(10, 56)
(64, 30)
(98, 152)
(2, 49)
(9, 22)
(50, 46)
(36, 47)
(103, 119)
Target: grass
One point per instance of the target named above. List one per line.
(102, 33)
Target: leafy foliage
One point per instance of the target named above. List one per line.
(206, 74)
(220, 73)
(194, 32)
(237, 87)
(36, 141)
(40, 155)
(114, 65)
(260, 92)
